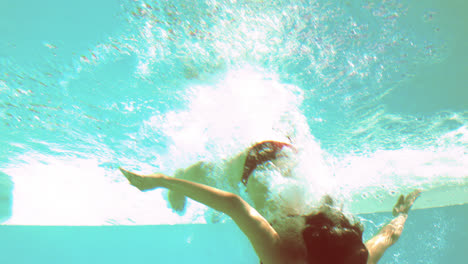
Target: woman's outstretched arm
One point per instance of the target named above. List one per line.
(262, 236)
(392, 231)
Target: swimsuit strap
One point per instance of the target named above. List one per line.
(261, 153)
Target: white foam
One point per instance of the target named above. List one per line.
(222, 118)
(52, 190)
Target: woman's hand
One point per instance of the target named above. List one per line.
(144, 182)
(404, 203)
(390, 233)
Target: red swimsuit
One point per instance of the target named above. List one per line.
(260, 153)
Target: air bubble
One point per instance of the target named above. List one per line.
(429, 16)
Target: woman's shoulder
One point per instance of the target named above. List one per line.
(289, 249)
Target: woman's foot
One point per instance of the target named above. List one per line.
(177, 201)
(142, 182)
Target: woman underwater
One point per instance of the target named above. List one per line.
(324, 236)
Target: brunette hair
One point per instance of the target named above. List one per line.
(331, 238)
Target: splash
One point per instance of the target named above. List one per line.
(175, 85)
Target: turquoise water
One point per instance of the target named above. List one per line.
(431, 236)
(374, 93)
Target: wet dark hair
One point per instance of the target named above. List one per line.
(331, 238)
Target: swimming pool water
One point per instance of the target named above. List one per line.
(431, 236)
(374, 92)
